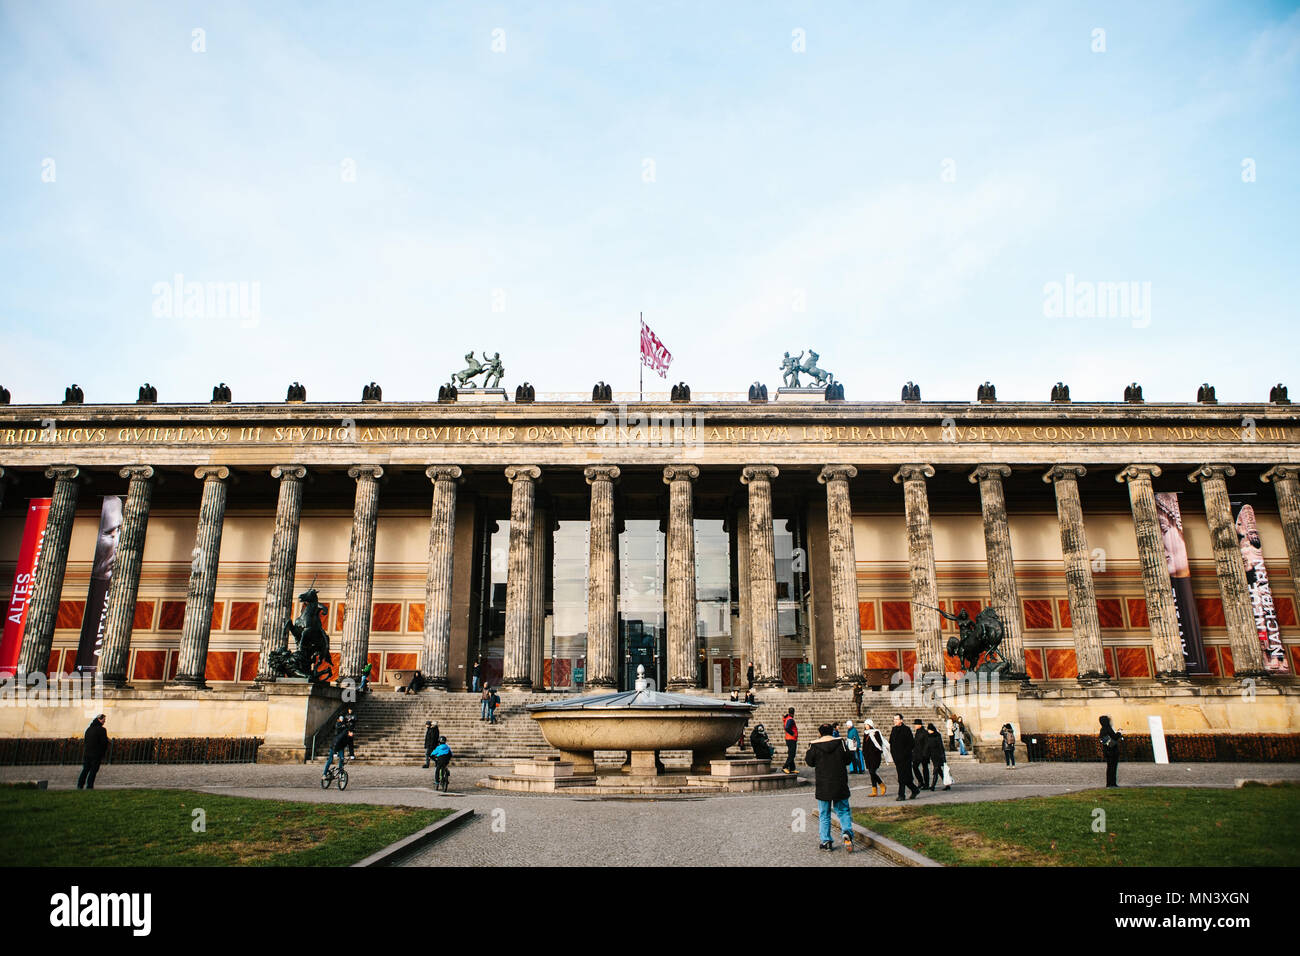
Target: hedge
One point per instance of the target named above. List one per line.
(123, 750)
(1182, 748)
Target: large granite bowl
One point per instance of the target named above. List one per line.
(644, 720)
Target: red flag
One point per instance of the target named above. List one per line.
(653, 352)
(29, 554)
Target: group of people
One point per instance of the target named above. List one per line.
(919, 758)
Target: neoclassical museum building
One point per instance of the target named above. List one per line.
(1140, 554)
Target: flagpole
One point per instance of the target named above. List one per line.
(641, 369)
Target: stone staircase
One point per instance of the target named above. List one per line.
(390, 726)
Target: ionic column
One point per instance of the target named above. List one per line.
(1161, 613)
(435, 655)
(602, 583)
(119, 618)
(680, 597)
(1238, 612)
(361, 571)
(283, 565)
(920, 559)
(1286, 485)
(541, 537)
(43, 607)
(1002, 569)
(744, 599)
(519, 577)
(1089, 657)
(844, 574)
(763, 633)
(196, 630)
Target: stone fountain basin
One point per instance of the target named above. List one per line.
(641, 729)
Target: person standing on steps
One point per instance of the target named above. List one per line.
(494, 701)
(1008, 734)
(476, 675)
(1110, 740)
(96, 748)
(857, 698)
(791, 741)
(829, 756)
(430, 740)
(900, 749)
(920, 755)
(873, 751)
(484, 702)
(935, 752)
(749, 676)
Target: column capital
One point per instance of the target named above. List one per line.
(680, 473)
(217, 472)
(436, 473)
(1280, 473)
(366, 471)
(913, 471)
(596, 473)
(760, 472)
(523, 473)
(836, 473)
(289, 471)
(66, 472)
(1058, 472)
(1138, 473)
(137, 471)
(988, 471)
(1211, 471)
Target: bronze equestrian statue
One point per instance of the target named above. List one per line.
(312, 657)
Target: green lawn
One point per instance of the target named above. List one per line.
(155, 828)
(1144, 826)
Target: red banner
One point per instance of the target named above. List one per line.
(653, 353)
(29, 553)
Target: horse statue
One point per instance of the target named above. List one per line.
(979, 637)
(473, 368)
(820, 376)
(312, 657)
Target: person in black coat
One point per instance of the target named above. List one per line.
(430, 740)
(900, 748)
(762, 746)
(96, 748)
(1110, 740)
(830, 757)
(934, 753)
(749, 676)
(920, 756)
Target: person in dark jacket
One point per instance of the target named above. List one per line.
(900, 749)
(830, 758)
(759, 742)
(430, 740)
(791, 730)
(749, 676)
(476, 675)
(1110, 740)
(96, 747)
(920, 756)
(934, 753)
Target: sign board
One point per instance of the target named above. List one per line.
(805, 673)
(1157, 727)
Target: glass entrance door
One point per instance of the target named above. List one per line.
(642, 636)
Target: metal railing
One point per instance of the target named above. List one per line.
(126, 750)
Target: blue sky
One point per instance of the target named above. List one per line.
(799, 199)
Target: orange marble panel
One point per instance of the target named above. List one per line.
(56, 658)
(1295, 658)
(220, 665)
(243, 615)
(1109, 657)
(173, 662)
(952, 665)
(878, 660)
(386, 616)
(1212, 661)
(1133, 662)
(1038, 614)
(338, 617)
(415, 617)
(1063, 609)
(70, 615)
(402, 662)
(248, 665)
(944, 623)
(142, 616)
(376, 662)
(1210, 611)
(1034, 663)
(1110, 613)
(1137, 612)
(218, 614)
(149, 665)
(1285, 611)
(172, 617)
(1061, 663)
(1225, 652)
(909, 662)
(866, 615)
(896, 615)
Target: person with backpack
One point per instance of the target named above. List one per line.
(901, 745)
(829, 756)
(1009, 745)
(1110, 740)
(873, 752)
(484, 702)
(855, 748)
(494, 701)
(791, 741)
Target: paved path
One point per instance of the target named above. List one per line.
(540, 830)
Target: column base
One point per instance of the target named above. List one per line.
(1093, 678)
(846, 683)
(771, 682)
(437, 683)
(516, 685)
(602, 684)
(1174, 677)
(683, 686)
(184, 683)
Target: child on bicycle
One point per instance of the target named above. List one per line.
(441, 754)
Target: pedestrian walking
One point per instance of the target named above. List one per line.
(961, 736)
(938, 759)
(920, 755)
(485, 702)
(829, 757)
(1008, 734)
(873, 752)
(857, 697)
(900, 749)
(430, 740)
(791, 741)
(96, 748)
(854, 739)
(494, 701)
(1110, 740)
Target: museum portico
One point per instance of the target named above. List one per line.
(564, 543)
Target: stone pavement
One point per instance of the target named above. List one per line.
(542, 830)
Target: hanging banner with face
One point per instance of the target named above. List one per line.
(1261, 593)
(29, 553)
(1180, 575)
(92, 623)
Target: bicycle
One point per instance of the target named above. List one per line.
(442, 777)
(336, 775)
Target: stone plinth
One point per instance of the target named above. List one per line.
(801, 394)
(481, 395)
